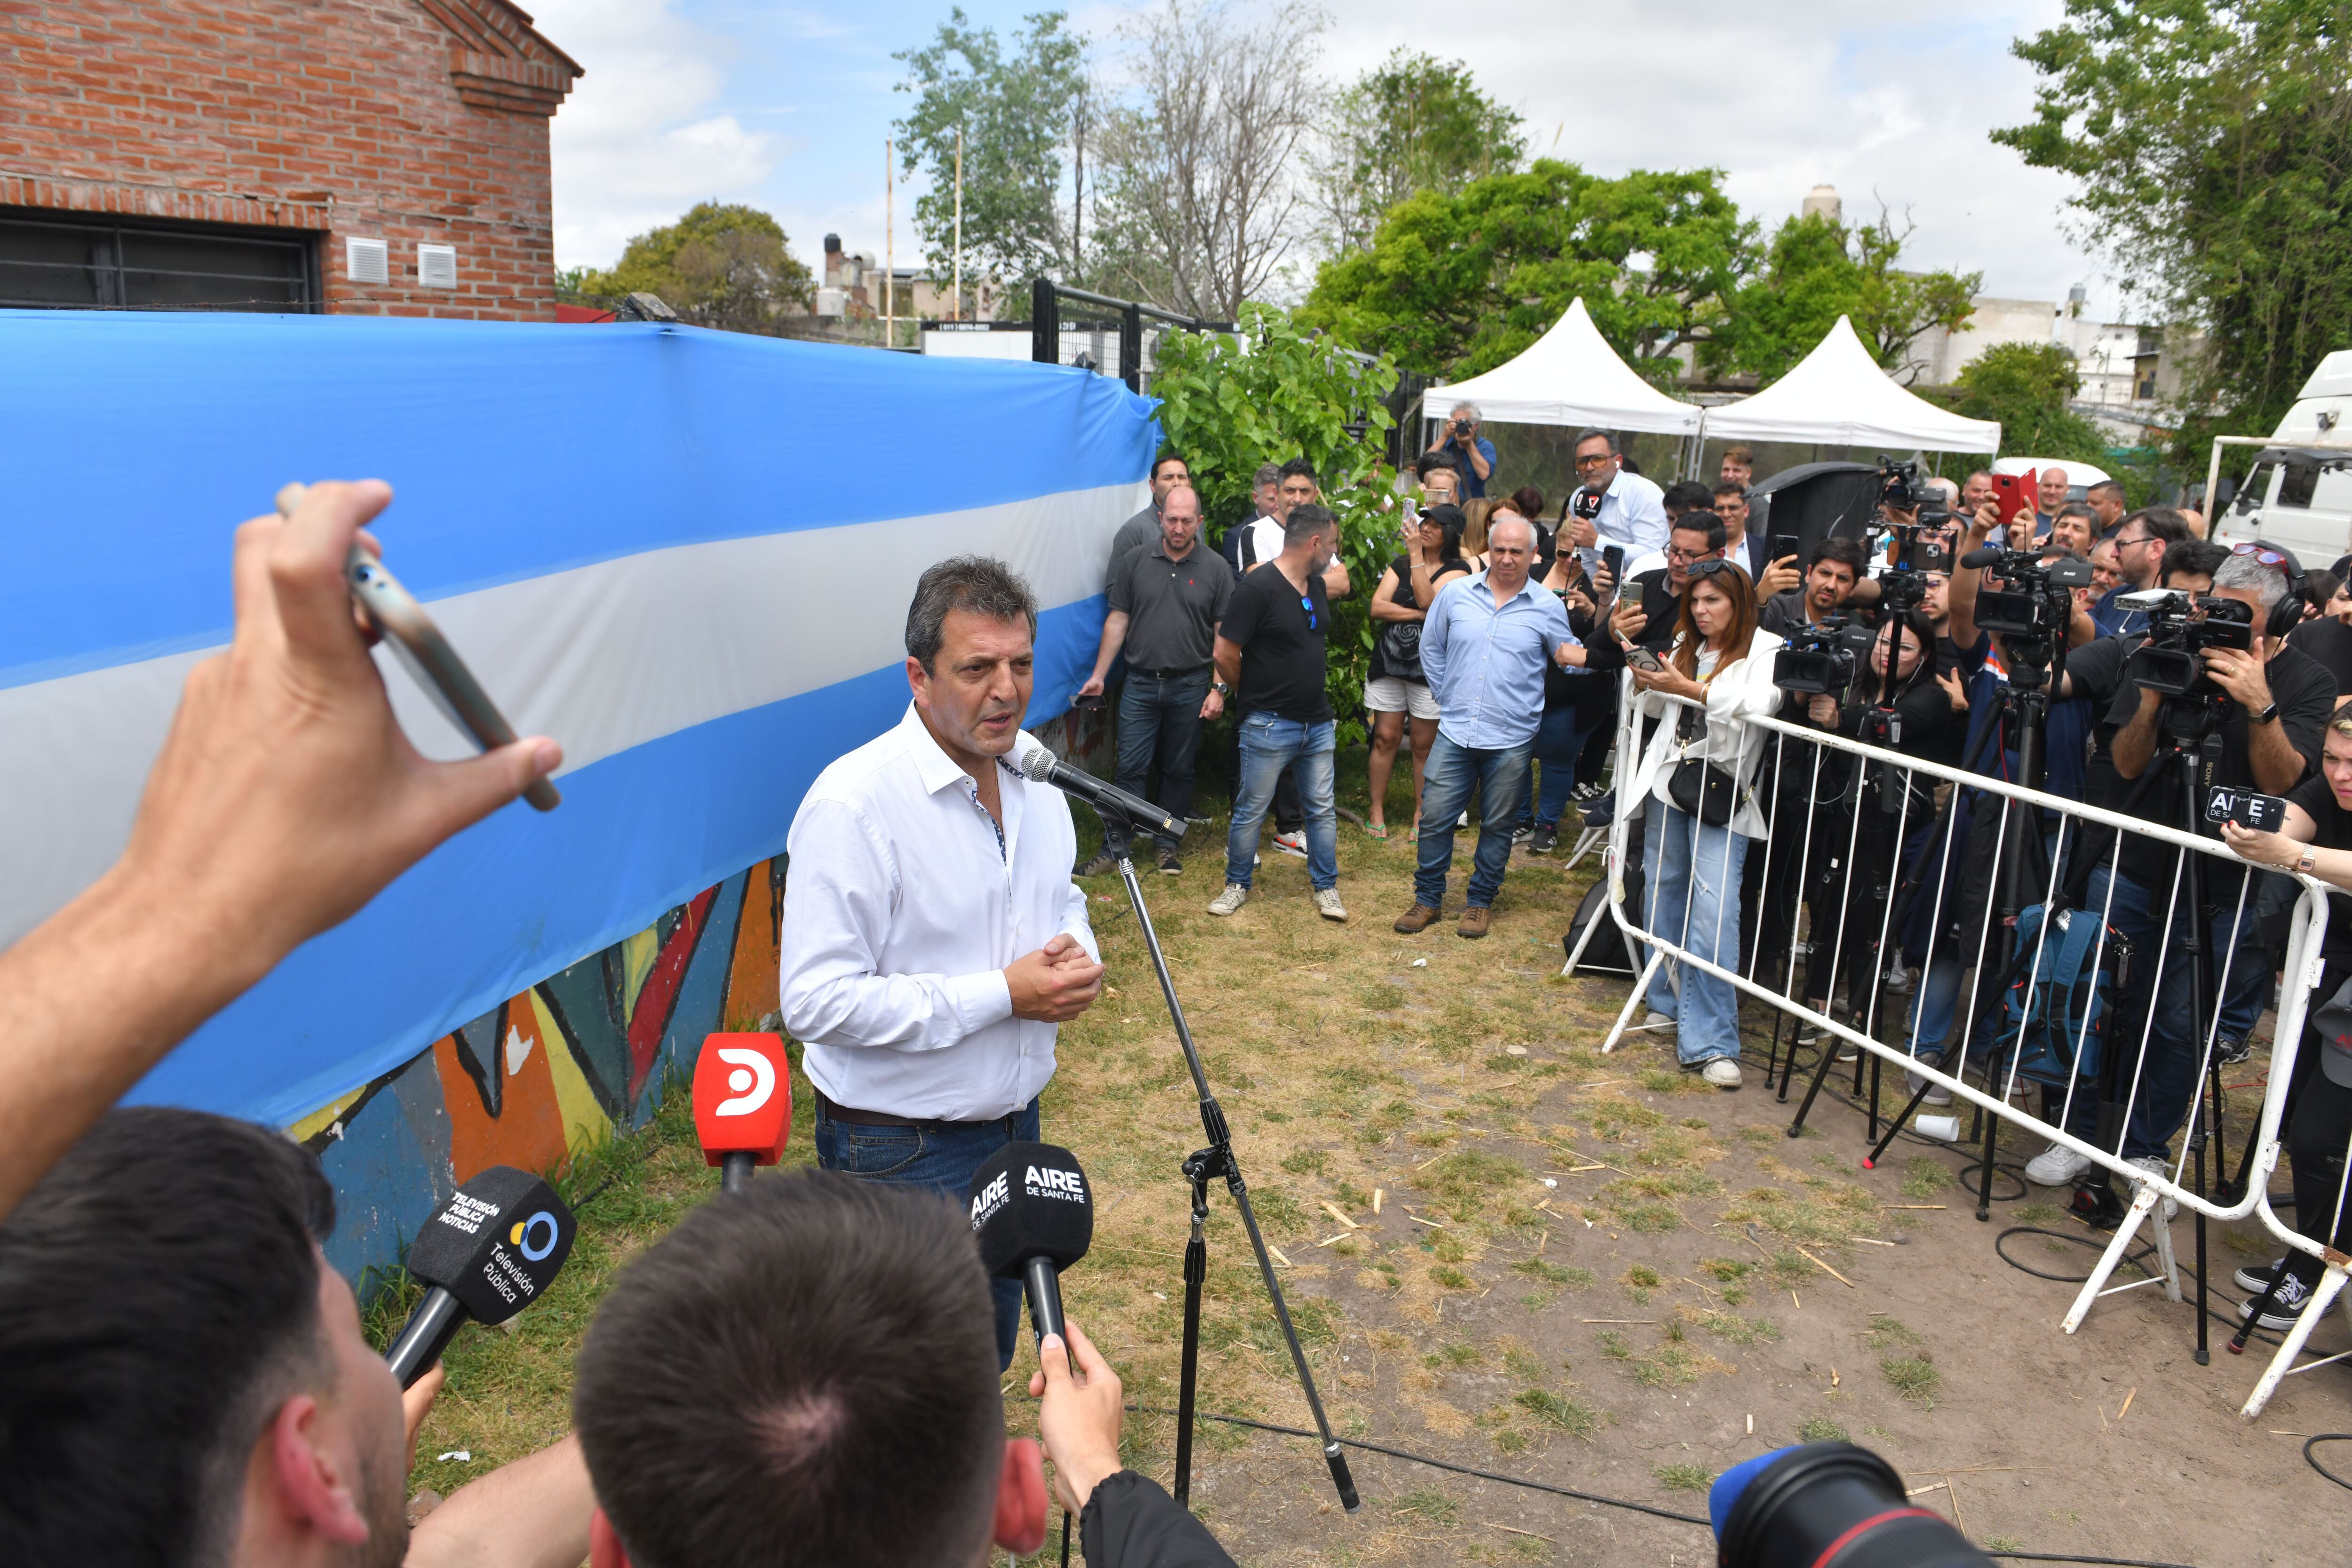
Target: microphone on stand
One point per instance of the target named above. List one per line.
(494, 1248)
(1030, 755)
(1034, 1215)
(742, 1104)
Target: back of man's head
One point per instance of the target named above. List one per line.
(1430, 462)
(805, 1371)
(1686, 495)
(2192, 558)
(159, 1300)
(1307, 519)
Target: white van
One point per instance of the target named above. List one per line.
(2300, 491)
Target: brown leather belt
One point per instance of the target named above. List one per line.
(850, 1113)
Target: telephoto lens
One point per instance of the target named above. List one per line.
(1828, 1505)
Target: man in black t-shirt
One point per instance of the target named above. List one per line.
(1270, 650)
(2278, 702)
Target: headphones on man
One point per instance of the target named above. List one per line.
(2288, 612)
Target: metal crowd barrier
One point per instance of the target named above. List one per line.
(1834, 828)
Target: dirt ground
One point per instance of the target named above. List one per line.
(1600, 1274)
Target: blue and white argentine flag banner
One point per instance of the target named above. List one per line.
(687, 555)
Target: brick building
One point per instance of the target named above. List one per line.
(375, 157)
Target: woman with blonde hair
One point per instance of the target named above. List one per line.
(1477, 516)
(1696, 780)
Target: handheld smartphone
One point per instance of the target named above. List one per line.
(1612, 556)
(2247, 808)
(1783, 546)
(426, 654)
(2016, 493)
(1086, 704)
(1642, 659)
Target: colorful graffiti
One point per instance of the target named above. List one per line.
(578, 1057)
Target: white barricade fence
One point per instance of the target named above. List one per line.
(2022, 1008)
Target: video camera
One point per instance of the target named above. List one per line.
(2180, 627)
(1903, 490)
(1823, 659)
(2035, 603)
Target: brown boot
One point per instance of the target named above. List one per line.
(1416, 920)
(1474, 921)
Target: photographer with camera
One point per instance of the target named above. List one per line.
(1472, 453)
(2213, 668)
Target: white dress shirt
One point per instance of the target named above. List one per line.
(1633, 514)
(902, 906)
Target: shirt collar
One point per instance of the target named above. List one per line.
(932, 764)
(1526, 588)
(1160, 548)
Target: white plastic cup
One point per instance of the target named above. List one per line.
(1947, 1128)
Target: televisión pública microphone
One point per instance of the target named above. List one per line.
(1030, 755)
(742, 1104)
(1034, 1215)
(492, 1251)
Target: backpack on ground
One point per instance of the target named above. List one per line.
(2064, 1000)
(1605, 953)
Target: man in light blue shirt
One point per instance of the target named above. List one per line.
(1632, 510)
(1483, 648)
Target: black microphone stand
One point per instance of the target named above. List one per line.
(1201, 1167)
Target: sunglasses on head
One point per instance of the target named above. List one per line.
(2262, 552)
(1709, 568)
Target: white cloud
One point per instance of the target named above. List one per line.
(638, 141)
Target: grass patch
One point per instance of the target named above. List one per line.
(1306, 1161)
(1559, 1412)
(1642, 1274)
(1924, 1176)
(1685, 1478)
(1449, 1277)
(1730, 1326)
(1726, 1271)
(1821, 1429)
(1888, 1329)
(1429, 1505)
(1553, 1273)
(1914, 1377)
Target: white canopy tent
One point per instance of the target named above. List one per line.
(1568, 376)
(1839, 395)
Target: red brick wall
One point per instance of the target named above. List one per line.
(398, 120)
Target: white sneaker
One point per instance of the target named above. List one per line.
(1654, 1019)
(1936, 1093)
(1327, 904)
(1291, 844)
(1233, 898)
(2155, 1165)
(1723, 1072)
(2056, 1166)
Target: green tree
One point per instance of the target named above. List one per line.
(1270, 393)
(1412, 123)
(2028, 387)
(1021, 112)
(1453, 285)
(1816, 271)
(721, 265)
(2213, 142)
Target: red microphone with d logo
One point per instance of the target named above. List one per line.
(742, 1104)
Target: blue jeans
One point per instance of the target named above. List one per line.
(1268, 745)
(1158, 717)
(1498, 776)
(940, 1157)
(1693, 871)
(1557, 741)
(2176, 1040)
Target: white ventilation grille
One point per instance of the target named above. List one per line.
(367, 261)
(436, 266)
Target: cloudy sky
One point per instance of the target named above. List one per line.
(785, 107)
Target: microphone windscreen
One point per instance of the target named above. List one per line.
(1985, 556)
(743, 1098)
(1028, 753)
(497, 1244)
(1031, 1200)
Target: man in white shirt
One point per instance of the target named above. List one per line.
(1251, 545)
(1632, 510)
(933, 941)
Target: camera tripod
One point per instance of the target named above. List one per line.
(1201, 1167)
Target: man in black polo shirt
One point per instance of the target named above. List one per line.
(1144, 527)
(1271, 650)
(1166, 600)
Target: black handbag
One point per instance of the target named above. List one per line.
(1697, 786)
(1401, 650)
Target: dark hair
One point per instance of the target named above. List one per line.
(1297, 467)
(985, 587)
(1429, 463)
(159, 1302)
(2320, 586)
(2195, 558)
(1687, 495)
(1848, 552)
(1307, 518)
(803, 1371)
(1893, 685)
(1527, 500)
(1730, 487)
(1449, 517)
(1591, 435)
(2115, 485)
(1733, 580)
(2160, 522)
(1701, 522)
(1165, 459)
(2083, 509)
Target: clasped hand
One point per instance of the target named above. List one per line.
(1055, 983)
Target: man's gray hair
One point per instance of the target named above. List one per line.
(1608, 436)
(1504, 518)
(2244, 571)
(1268, 474)
(1477, 415)
(980, 583)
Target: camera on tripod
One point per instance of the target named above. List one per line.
(1822, 659)
(2180, 627)
(2035, 600)
(1903, 490)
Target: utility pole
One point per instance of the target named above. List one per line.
(959, 232)
(889, 236)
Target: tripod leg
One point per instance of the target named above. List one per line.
(1196, 1271)
(1813, 1089)
(2204, 1327)
(1332, 1455)
(1984, 1172)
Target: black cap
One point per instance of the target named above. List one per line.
(496, 1245)
(1031, 1200)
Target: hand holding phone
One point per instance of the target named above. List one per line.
(1642, 659)
(395, 616)
(2016, 493)
(2247, 808)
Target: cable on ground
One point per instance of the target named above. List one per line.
(2309, 1459)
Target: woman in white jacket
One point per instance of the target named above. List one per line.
(1699, 827)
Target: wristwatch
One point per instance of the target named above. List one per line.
(2265, 715)
(1221, 688)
